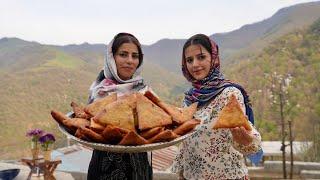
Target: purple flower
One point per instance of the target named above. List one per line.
(35, 132)
(46, 140)
(47, 137)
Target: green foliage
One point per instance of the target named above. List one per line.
(268, 129)
(298, 54)
(62, 60)
(42, 78)
(315, 27)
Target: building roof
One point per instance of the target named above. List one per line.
(273, 148)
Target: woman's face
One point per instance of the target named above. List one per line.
(127, 60)
(198, 61)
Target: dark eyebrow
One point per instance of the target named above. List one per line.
(123, 52)
(128, 52)
(200, 54)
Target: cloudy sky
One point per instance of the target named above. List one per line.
(63, 22)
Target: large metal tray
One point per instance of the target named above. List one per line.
(121, 148)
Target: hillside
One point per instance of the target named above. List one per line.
(247, 40)
(38, 78)
(297, 54)
(252, 38)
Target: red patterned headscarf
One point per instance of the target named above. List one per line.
(205, 89)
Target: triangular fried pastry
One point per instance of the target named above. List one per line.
(154, 98)
(186, 126)
(99, 104)
(178, 115)
(96, 126)
(232, 116)
(181, 115)
(166, 135)
(91, 134)
(132, 138)
(132, 101)
(112, 134)
(67, 122)
(150, 115)
(80, 135)
(58, 116)
(78, 111)
(118, 113)
(77, 122)
(130, 98)
(147, 134)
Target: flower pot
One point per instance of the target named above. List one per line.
(34, 150)
(47, 155)
(35, 153)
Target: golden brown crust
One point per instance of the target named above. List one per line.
(58, 116)
(186, 127)
(99, 104)
(132, 138)
(182, 115)
(112, 134)
(179, 115)
(166, 135)
(150, 115)
(147, 134)
(96, 126)
(78, 111)
(131, 99)
(128, 120)
(79, 122)
(80, 135)
(63, 120)
(232, 116)
(152, 97)
(118, 113)
(91, 134)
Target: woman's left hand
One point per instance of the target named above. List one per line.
(241, 136)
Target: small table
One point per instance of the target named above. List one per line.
(48, 167)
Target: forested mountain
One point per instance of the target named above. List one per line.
(295, 55)
(37, 78)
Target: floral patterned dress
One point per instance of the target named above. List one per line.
(212, 154)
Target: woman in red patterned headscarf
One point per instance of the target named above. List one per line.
(212, 153)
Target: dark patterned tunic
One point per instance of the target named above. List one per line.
(119, 166)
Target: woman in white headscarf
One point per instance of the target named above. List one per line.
(121, 74)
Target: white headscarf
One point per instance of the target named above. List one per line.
(112, 81)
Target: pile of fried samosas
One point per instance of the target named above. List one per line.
(129, 120)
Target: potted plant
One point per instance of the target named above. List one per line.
(35, 134)
(46, 141)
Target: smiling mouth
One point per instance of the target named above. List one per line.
(127, 68)
(197, 71)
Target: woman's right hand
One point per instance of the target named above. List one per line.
(181, 175)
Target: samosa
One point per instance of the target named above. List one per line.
(132, 138)
(99, 104)
(179, 115)
(118, 113)
(150, 115)
(232, 116)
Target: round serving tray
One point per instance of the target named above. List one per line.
(124, 149)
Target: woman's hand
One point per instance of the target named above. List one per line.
(241, 136)
(181, 175)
